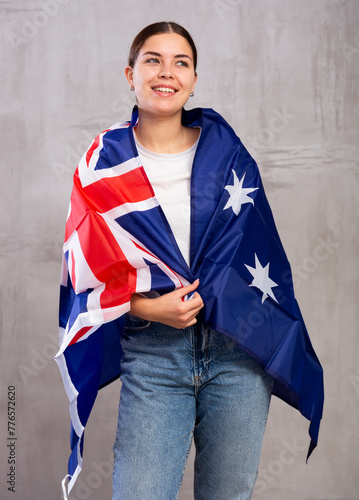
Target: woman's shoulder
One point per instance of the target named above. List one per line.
(206, 117)
(117, 129)
(109, 148)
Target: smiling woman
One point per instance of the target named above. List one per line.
(175, 279)
(163, 76)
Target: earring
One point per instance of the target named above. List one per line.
(191, 94)
(132, 88)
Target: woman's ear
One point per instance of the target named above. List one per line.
(195, 81)
(129, 75)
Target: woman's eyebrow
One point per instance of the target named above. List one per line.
(150, 53)
(180, 56)
(157, 54)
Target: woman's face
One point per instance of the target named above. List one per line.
(163, 75)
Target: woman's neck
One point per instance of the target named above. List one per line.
(165, 135)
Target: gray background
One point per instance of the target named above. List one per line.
(284, 73)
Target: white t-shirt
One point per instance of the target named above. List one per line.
(170, 177)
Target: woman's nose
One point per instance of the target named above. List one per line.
(166, 71)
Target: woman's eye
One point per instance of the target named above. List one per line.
(152, 60)
(183, 63)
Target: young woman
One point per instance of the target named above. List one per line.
(170, 231)
(180, 379)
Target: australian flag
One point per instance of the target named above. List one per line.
(118, 242)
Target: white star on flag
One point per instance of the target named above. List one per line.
(261, 279)
(238, 194)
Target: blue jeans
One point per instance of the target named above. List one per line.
(183, 384)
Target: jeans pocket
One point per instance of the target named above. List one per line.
(135, 324)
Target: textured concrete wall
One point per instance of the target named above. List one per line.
(285, 75)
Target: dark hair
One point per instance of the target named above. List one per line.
(158, 29)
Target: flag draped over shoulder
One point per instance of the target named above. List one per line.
(118, 242)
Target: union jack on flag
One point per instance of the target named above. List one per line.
(118, 242)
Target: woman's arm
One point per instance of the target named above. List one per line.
(170, 308)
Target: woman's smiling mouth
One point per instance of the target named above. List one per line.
(164, 90)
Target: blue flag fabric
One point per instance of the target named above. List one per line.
(235, 251)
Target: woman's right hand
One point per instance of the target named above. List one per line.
(170, 309)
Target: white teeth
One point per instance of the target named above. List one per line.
(164, 89)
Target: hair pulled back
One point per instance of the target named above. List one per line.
(158, 29)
